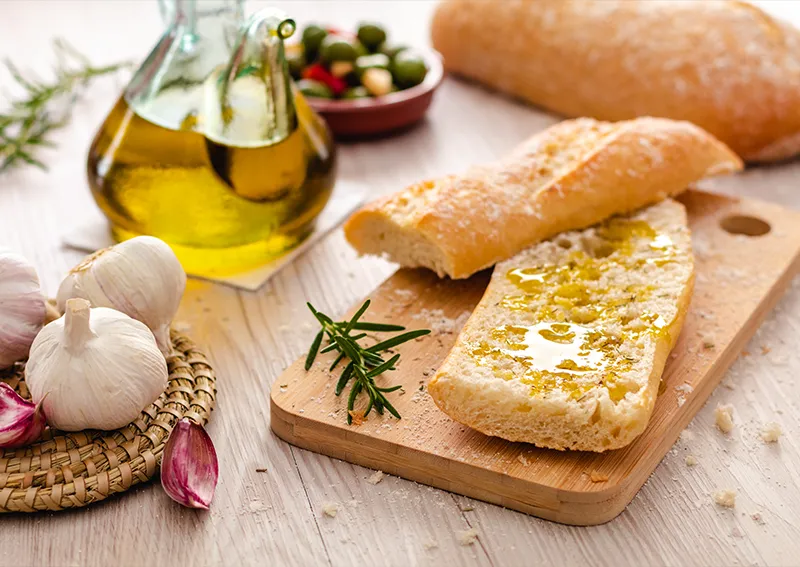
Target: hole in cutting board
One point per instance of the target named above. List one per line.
(745, 224)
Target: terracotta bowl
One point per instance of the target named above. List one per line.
(374, 116)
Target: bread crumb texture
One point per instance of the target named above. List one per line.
(467, 537)
(723, 416)
(375, 477)
(725, 498)
(690, 461)
(330, 509)
(771, 432)
(567, 346)
(596, 476)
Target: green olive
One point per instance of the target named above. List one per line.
(336, 48)
(376, 60)
(391, 51)
(371, 35)
(296, 61)
(360, 49)
(356, 92)
(408, 69)
(312, 88)
(312, 39)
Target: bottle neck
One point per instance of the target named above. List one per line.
(167, 88)
(188, 12)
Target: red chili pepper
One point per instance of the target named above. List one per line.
(342, 33)
(319, 73)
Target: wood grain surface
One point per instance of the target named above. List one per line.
(571, 487)
(275, 517)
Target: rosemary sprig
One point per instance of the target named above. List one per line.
(365, 363)
(45, 106)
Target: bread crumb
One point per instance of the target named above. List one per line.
(690, 461)
(765, 349)
(375, 477)
(467, 537)
(771, 432)
(521, 458)
(357, 417)
(725, 498)
(428, 545)
(330, 509)
(708, 344)
(723, 415)
(681, 391)
(756, 517)
(419, 395)
(596, 476)
(745, 353)
(464, 507)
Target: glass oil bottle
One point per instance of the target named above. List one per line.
(210, 148)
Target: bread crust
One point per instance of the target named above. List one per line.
(498, 401)
(726, 66)
(569, 176)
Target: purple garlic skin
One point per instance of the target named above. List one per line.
(189, 468)
(21, 422)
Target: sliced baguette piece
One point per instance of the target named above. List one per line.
(727, 66)
(569, 176)
(566, 348)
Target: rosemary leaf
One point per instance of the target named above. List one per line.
(312, 353)
(398, 340)
(355, 318)
(344, 378)
(336, 361)
(383, 367)
(365, 326)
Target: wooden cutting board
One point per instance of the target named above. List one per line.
(746, 254)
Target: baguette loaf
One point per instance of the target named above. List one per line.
(566, 348)
(570, 176)
(724, 65)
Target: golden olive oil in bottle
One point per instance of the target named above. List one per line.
(225, 163)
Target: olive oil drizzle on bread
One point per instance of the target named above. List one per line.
(567, 346)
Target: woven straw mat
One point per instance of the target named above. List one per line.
(67, 470)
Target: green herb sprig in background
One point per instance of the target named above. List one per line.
(365, 364)
(45, 106)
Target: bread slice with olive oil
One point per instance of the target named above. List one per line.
(567, 346)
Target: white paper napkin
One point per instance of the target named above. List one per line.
(94, 235)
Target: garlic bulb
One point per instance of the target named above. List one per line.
(22, 307)
(94, 368)
(141, 277)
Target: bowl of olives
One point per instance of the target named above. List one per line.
(362, 84)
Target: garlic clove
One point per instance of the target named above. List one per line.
(189, 468)
(21, 422)
(98, 368)
(140, 277)
(22, 307)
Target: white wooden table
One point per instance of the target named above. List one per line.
(275, 518)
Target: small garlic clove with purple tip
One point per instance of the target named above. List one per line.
(189, 468)
(21, 422)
